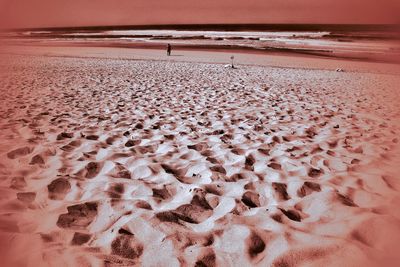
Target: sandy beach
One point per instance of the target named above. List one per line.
(127, 157)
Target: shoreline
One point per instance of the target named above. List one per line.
(245, 56)
(287, 51)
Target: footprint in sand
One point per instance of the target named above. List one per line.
(79, 216)
(59, 188)
(19, 152)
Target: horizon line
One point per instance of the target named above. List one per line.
(220, 26)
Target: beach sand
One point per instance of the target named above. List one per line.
(118, 157)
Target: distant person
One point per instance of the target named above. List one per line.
(169, 48)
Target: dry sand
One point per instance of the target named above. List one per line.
(110, 161)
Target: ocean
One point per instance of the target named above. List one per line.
(371, 42)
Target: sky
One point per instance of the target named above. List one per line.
(60, 13)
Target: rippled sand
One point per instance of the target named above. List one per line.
(113, 162)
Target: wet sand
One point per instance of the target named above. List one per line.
(118, 157)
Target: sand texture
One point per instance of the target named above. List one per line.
(113, 162)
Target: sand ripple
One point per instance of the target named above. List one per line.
(120, 163)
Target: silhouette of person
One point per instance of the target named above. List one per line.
(169, 48)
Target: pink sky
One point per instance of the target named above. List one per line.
(43, 13)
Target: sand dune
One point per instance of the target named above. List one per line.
(114, 162)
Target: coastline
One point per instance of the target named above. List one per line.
(206, 55)
(378, 43)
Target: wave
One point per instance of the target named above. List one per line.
(354, 43)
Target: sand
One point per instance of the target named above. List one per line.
(113, 161)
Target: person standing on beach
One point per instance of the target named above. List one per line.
(169, 48)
